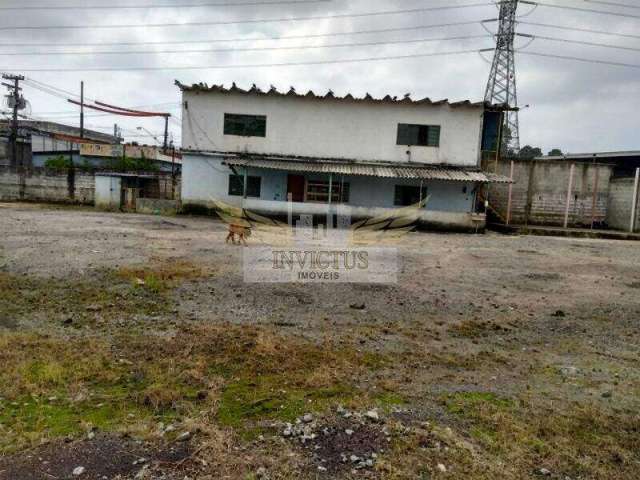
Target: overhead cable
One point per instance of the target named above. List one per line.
(247, 49)
(613, 4)
(579, 9)
(160, 5)
(240, 66)
(581, 59)
(577, 42)
(583, 30)
(245, 39)
(244, 22)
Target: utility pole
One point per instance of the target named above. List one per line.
(501, 88)
(17, 102)
(82, 109)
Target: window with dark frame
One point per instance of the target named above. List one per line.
(418, 135)
(236, 186)
(245, 125)
(318, 191)
(406, 195)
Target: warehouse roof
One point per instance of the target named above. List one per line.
(369, 169)
(61, 131)
(274, 92)
(591, 156)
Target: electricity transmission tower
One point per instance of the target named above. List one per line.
(501, 88)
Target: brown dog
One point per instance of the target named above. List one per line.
(242, 232)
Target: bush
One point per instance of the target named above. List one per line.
(129, 164)
(59, 163)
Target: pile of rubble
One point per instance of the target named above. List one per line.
(351, 440)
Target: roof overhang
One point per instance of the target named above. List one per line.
(330, 96)
(415, 171)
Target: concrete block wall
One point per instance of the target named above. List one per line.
(42, 185)
(620, 204)
(544, 185)
(9, 184)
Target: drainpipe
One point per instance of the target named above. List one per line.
(329, 214)
(246, 180)
(634, 207)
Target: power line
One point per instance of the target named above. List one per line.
(581, 59)
(255, 65)
(163, 6)
(244, 39)
(578, 42)
(579, 9)
(252, 49)
(68, 113)
(613, 4)
(51, 89)
(583, 30)
(244, 22)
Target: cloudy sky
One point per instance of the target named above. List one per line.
(574, 106)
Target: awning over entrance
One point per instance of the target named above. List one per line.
(371, 169)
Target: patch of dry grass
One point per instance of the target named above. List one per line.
(572, 440)
(160, 275)
(475, 329)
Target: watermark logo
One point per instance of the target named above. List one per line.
(339, 251)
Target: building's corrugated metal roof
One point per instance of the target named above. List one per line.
(61, 131)
(591, 156)
(406, 99)
(371, 169)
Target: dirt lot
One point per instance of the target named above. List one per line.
(132, 348)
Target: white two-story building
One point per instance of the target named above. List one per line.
(263, 149)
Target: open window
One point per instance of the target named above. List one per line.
(406, 195)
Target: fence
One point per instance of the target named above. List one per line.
(40, 184)
(566, 194)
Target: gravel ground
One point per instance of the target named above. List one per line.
(507, 315)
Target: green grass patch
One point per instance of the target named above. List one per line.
(472, 402)
(247, 375)
(27, 420)
(387, 400)
(246, 402)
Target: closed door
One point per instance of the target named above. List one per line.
(295, 186)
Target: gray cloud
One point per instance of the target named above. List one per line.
(575, 106)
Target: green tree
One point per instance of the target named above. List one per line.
(529, 153)
(556, 152)
(61, 162)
